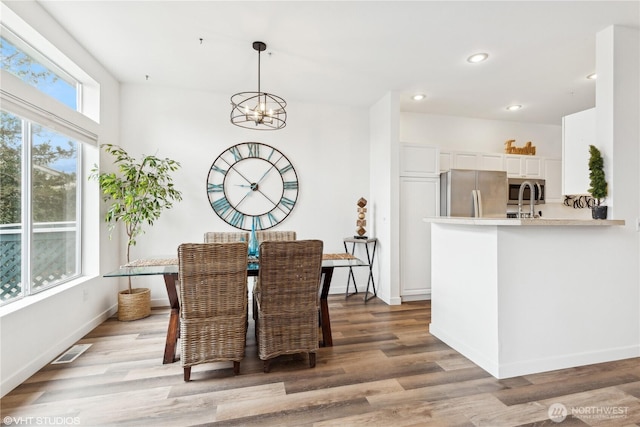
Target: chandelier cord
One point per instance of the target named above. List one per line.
(258, 72)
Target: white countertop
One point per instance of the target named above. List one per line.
(547, 222)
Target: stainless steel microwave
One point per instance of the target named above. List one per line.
(513, 189)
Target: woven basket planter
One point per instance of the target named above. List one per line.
(135, 305)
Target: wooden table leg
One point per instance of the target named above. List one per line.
(173, 331)
(327, 341)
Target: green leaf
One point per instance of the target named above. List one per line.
(139, 192)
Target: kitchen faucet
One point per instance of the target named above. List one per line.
(531, 199)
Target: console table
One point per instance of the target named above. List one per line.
(371, 254)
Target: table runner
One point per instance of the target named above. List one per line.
(174, 261)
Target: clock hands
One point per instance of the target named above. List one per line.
(265, 174)
(232, 166)
(255, 185)
(273, 165)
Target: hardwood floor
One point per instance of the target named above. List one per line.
(384, 369)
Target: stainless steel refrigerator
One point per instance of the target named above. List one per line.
(473, 193)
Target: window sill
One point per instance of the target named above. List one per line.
(27, 301)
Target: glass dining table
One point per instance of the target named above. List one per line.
(168, 268)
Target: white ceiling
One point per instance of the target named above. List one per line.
(352, 53)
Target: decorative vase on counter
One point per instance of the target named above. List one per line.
(599, 212)
(253, 242)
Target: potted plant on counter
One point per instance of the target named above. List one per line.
(138, 192)
(597, 182)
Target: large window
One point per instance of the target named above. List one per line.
(38, 208)
(50, 79)
(40, 172)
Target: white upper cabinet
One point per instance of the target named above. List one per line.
(419, 160)
(471, 160)
(446, 161)
(466, 160)
(523, 166)
(578, 132)
(491, 161)
(516, 165)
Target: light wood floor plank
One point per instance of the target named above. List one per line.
(313, 398)
(384, 369)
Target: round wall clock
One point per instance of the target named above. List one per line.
(252, 185)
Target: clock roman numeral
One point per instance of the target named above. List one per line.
(257, 223)
(254, 149)
(271, 154)
(290, 185)
(215, 188)
(286, 169)
(287, 204)
(236, 153)
(237, 219)
(219, 169)
(221, 206)
(272, 219)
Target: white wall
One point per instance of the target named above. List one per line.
(618, 134)
(37, 329)
(463, 133)
(385, 189)
(617, 112)
(327, 145)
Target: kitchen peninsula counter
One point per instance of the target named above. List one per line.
(546, 222)
(521, 296)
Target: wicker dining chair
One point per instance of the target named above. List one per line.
(213, 312)
(273, 235)
(230, 236)
(226, 236)
(288, 301)
(268, 236)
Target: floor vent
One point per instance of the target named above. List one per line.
(72, 354)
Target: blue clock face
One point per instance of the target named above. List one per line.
(252, 185)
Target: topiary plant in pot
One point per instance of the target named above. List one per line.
(138, 193)
(597, 182)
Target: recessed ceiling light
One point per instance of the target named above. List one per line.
(514, 107)
(592, 76)
(419, 97)
(477, 57)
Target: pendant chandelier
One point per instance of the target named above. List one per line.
(258, 110)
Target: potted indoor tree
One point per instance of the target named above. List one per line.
(597, 182)
(138, 193)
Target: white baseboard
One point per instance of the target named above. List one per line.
(534, 366)
(33, 366)
(417, 297)
(563, 361)
(470, 353)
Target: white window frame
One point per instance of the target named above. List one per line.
(26, 101)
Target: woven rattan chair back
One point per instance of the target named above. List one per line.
(213, 312)
(226, 236)
(287, 304)
(269, 236)
(274, 236)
